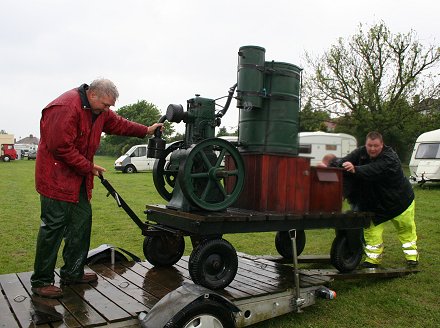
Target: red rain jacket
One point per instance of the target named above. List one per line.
(68, 142)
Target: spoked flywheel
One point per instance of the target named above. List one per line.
(212, 175)
(165, 174)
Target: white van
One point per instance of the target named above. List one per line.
(135, 160)
(318, 144)
(425, 159)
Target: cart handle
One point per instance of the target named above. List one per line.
(121, 203)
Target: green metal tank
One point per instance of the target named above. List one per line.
(273, 126)
(250, 77)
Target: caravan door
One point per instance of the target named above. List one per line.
(345, 147)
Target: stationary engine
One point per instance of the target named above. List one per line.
(201, 171)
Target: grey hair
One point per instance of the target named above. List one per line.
(104, 87)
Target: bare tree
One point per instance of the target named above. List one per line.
(372, 78)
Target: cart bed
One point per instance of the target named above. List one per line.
(235, 220)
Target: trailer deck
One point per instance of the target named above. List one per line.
(126, 289)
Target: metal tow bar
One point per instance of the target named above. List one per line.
(121, 203)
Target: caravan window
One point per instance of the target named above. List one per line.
(331, 147)
(305, 148)
(428, 151)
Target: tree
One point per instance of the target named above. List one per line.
(141, 112)
(370, 81)
(223, 131)
(312, 120)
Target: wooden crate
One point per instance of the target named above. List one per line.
(275, 183)
(326, 190)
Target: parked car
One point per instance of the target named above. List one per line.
(32, 154)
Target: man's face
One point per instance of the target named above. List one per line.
(374, 147)
(100, 104)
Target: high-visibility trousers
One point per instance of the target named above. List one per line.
(406, 230)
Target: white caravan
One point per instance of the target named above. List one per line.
(318, 144)
(425, 159)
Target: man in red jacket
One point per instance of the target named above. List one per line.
(70, 132)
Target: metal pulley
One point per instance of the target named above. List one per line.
(156, 145)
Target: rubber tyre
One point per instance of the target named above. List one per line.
(130, 169)
(163, 250)
(342, 257)
(203, 313)
(213, 264)
(283, 243)
(6, 158)
(106, 258)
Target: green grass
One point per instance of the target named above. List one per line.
(411, 301)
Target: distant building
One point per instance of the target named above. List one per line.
(31, 140)
(25, 145)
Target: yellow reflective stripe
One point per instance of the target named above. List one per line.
(373, 255)
(408, 245)
(374, 247)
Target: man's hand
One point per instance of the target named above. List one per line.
(97, 170)
(153, 128)
(348, 166)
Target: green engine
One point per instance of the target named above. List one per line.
(200, 172)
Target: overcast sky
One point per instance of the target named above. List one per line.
(166, 51)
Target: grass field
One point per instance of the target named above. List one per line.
(411, 301)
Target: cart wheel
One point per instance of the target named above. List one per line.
(342, 257)
(213, 264)
(203, 313)
(283, 243)
(164, 250)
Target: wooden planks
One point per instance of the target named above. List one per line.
(126, 289)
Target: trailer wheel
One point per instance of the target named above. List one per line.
(342, 257)
(203, 313)
(213, 264)
(106, 257)
(164, 249)
(283, 243)
(130, 169)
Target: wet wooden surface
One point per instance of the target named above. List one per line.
(126, 289)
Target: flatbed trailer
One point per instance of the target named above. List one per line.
(263, 289)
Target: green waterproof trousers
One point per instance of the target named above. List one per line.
(62, 220)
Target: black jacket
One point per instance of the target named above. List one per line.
(379, 184)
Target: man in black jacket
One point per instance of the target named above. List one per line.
(383, 189)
